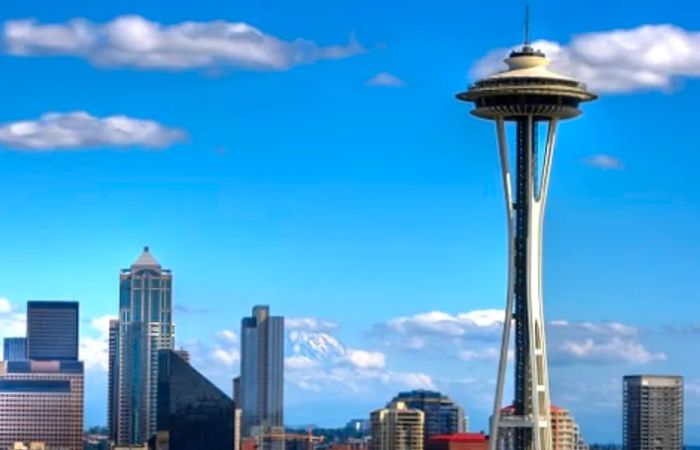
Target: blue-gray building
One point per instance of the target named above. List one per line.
(192, 412)
(262, 377)
(14, 349)
(144, 328)
(52, 330)
(442, 415)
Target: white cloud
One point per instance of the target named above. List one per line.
(466, 336)
(486, 354)
(598, 344)
(229, 336)
(5, 306)
(300, 362)
(481, 324)
(94, 349)
(363, 359)
(385, 79)
(79, 130)
(649, 57)
(134, 41)
(12, 323)
(605, 162)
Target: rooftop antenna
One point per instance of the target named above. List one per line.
(527, 25)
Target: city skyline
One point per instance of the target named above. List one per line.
(338, 183)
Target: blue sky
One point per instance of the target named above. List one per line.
(287, 173)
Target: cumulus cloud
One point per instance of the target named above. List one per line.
(649, 57)
(94, 348)
(317, 361)
(12, 322)
(134, 41)
(416, 332)
(385, 79)
(598, 344)
(605, 162)
(471, 336)
(79, 130)
(363, 359)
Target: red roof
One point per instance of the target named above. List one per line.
(469, 438)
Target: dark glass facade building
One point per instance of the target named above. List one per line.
(14, 349)
(192, 412)
(52, 330)
(442, 415)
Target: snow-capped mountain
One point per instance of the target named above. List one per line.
(314, 345)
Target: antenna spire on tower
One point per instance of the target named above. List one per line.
(527, 25)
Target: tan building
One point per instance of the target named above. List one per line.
(397, 427)
(41, 402)
(566, 434)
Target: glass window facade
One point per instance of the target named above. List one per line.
(192, 412)
(52, 330)
(14, 349)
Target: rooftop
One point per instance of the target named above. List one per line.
(146, 259)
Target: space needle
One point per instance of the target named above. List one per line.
(525, 95)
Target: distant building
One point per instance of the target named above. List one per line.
(192, 412)
(351, 444)
(566, 434)
(145, 327)
(14, 349)
(652, 412)
(262, 375)
(294, 441)
(397, 427)
(52, 330)
(442, 415)
(358, 426)
(458, 441)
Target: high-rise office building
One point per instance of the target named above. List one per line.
(145, 327)
(52, 330)
(397, 427)
(262, 375)
(41, 399)
(192, 412)
(14, 349)
(653, 412)
(442, 415)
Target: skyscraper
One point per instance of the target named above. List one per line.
(262, 375)
(113, 381)
(442, 415)
(14, 349)
(52, 330)
(529, 96)
(145, 327)
(41, 399)
(653, 412)
(192, 412)
(397, 427)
